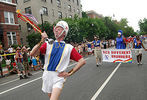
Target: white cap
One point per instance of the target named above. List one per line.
(65, 27)
(119, 33)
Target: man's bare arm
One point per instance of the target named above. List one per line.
(36, 49)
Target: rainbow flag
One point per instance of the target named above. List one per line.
(123, 61)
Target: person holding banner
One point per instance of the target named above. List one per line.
(97, 51)
(137, 44)
(57, 58)
(120, 42)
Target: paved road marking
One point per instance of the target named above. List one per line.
(28, 81)
(33, 74)
(20, 85)
(16, 79)
(105, 83)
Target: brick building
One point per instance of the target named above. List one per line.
(9, 27)
(93, 14)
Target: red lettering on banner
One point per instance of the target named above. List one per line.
(128, 52)
(106, 52)
(121, 56)
(118, 52)
(113, 52)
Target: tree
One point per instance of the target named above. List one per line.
(127, 30)
(33, 39)
(81, 28)
(143, 26)
(123, 23)
(48, 28)
(84, 15)
(111, 28)
(73, 34)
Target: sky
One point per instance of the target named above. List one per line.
(133, 10)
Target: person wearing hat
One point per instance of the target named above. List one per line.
(97, 50)
(25, 60)
(57, 58)
(120, 42)
(20, 66)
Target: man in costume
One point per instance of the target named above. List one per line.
(57, 58)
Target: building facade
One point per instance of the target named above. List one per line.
(52, 10)
(9, 27)
(93, 14)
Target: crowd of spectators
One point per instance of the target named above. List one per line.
(18, 61)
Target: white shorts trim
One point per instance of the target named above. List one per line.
(138, 51)
(51, 80)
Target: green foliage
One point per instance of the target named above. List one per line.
(48, 28)
(127, 30)
(33, 39)
(81, 28)
(143, 26)
(3, 63)
(84, 15)
(112, 28)
(16, 45)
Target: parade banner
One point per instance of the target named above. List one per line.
(117, 55)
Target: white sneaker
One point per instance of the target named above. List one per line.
(140, 63)
(97, 64)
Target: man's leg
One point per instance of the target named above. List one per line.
(55, 94)
(28, 70)
(138, 59)
(100, 60)
(100, 57)
(96, 55)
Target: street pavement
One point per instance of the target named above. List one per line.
(111, 81)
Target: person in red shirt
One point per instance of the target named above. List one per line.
(57, 58)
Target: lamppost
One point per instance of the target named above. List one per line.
(41, 14)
